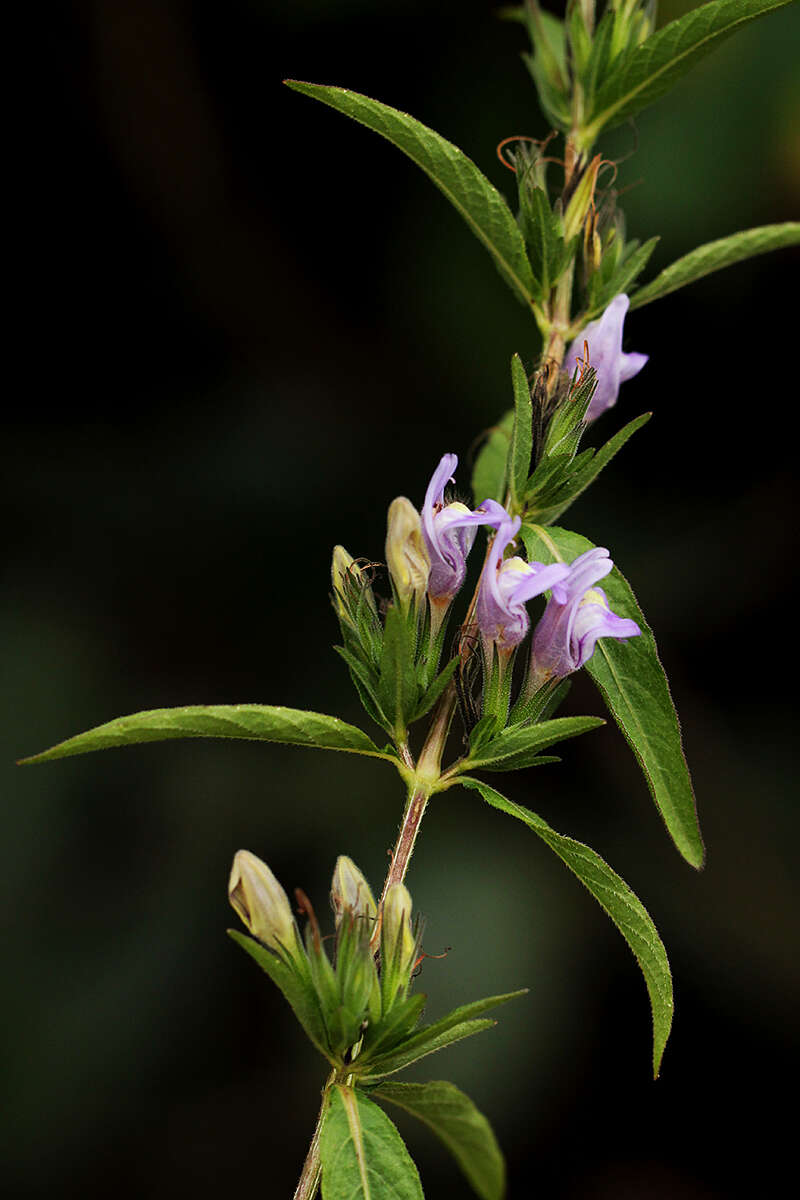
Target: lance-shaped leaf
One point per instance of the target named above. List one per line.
(363, 1156)
(397, 687)
(490, 475)
(528, 740)
(724, 252)
(299, 992)
(633, 684)
(619, 902)
(457, 1123)
(578, 475)
(522, 435)
(458, 1024)
(254, 722)
(644, 73)
(468, 190)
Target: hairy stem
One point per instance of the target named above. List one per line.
(312, 1167)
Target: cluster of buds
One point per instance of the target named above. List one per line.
(354, 1003)
(576, 52)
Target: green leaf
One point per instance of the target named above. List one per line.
(300, 994)
(579, 481)
(410, 1051)
(644, 73)
(529, 739)
(544, 235)
(462, 1128)
(432, 694)
(254, 722)
(522, 436)
(458, 1024)
(632, 682)
(714, 256)
(397, 688)
(517, 762)
(490, 475)
(395, 1025)
(608, 282)
(363, 1156)
(468, 190)
(618, 901)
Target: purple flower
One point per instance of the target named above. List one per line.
(573, 620)
(449, 531)
(604, 339)
(505, 586)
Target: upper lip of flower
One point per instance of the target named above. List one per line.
(501, 602)
(449, 530)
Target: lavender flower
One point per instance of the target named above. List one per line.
(507, 583)
(604, 339)
(574, 619)
(449, 531)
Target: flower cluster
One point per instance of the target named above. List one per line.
(577, 612)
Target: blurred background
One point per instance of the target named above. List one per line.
(245, 324)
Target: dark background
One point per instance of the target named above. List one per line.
(243, 325)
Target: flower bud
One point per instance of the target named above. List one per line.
(398, 945)
(341, 565)
(261, 902)
(351, 586)
(581, 200)
(406, 554)
(350, 891)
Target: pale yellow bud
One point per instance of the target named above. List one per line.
(397, 926)
(406, 553)
(350, 891)
(261, 902)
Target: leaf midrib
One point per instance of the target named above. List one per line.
(607, 114)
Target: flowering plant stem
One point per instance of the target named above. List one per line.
(311, 1174)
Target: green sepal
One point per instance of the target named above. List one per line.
(363, 1156)
(326, 985)
(356, 972)
(297, 990)
(633, 684)
(490, 474)
(469, 191)
(482, 733)
(713, 256)
(615, 274)
(382, 1036)
(618, 901)
(458, 1024)
(365, 682)
(541, 705)
(550, 497)
(253, 722)
(543, 230)
(432, 694)
(459, 1125)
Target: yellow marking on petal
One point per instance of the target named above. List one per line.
(593, 596)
